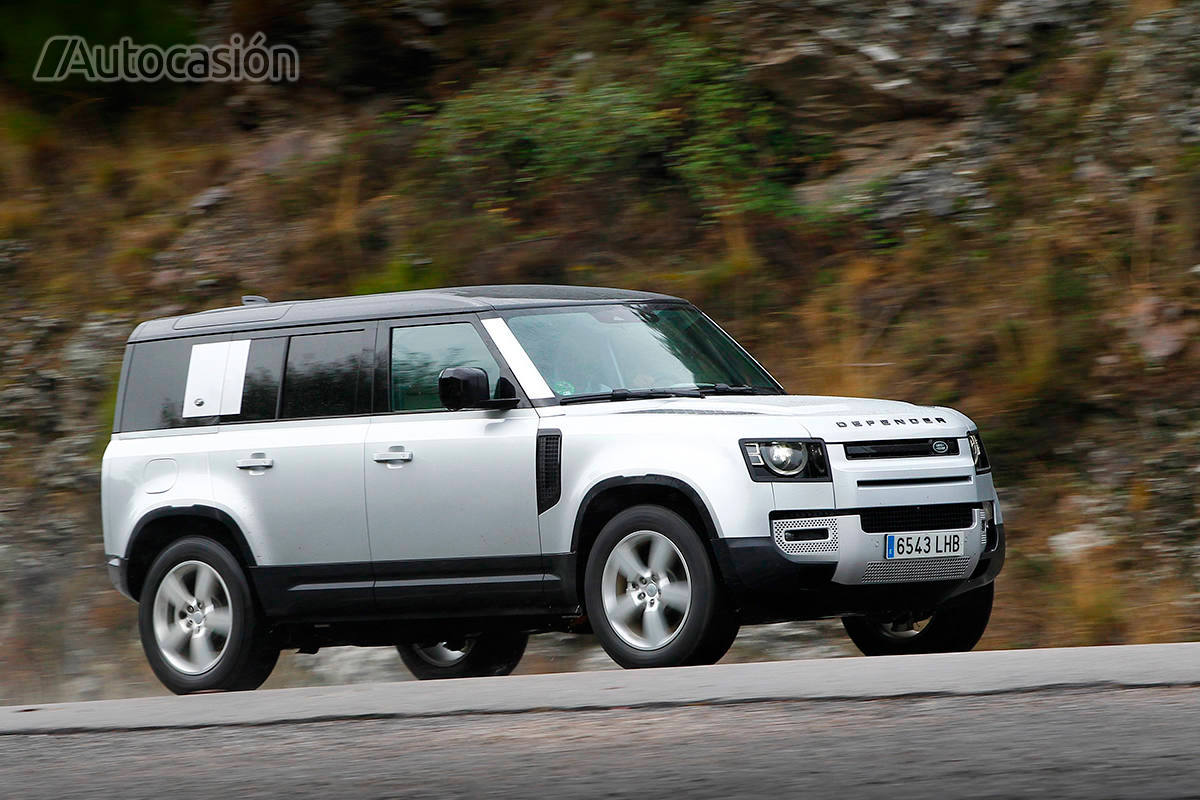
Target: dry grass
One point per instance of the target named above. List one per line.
(1093, 608)
(1137, 9)
(20, 215)
(100, 206)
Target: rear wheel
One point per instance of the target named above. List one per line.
(199, 624)
(955, 627)
(464, 657)
(651, 594)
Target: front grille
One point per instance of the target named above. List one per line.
(828, 544)
(917, 569)
(899, 519)
(901, 448)
(549, 469)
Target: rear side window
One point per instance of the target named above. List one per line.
(154, 388)
(321, 380)
(421, 352)
(321, 377)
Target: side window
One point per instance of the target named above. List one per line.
(421, 352)
(154, 387)
(264, 374)
(321, 376)
(164, 376)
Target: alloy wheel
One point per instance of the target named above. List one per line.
(193, 619)
(646, 590)
(904, 629)
(445, 654)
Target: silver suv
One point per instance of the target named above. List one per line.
(450, 471)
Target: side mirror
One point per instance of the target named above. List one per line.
(467, 387)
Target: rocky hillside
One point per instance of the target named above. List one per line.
(992, 205)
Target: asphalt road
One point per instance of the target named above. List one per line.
(1089, 722)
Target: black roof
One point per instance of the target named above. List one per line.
(385, 306)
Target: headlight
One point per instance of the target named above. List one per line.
(979, 454)
(786, 460)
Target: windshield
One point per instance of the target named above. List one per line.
(600, 349)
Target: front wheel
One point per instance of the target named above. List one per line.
(199, 624)
(651, 594)
(955, 627)
(488, 654)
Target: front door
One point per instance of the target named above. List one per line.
(451, 495)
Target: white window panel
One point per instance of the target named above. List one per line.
(518, 360)
(235, 377)
(216, 377)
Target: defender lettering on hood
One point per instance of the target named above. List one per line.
(857, 423)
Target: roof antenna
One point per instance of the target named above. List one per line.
(254, 300)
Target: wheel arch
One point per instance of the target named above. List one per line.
(611, 496)
(161, 527)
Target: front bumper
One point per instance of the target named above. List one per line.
(858, 550)
(769, 586)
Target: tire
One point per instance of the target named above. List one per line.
(719, 639)
(214, 638)
(489, 654)
(955, 627)
(640, 620)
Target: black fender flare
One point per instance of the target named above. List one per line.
(702, 509)
(205, 512)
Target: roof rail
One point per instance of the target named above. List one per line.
(254, 300)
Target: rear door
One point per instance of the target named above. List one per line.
(451, 495)
(290, 466)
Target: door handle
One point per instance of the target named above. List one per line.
(255, 463)
(393, 455)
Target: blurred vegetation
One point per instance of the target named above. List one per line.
(684, 116)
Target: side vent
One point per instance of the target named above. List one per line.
(549, 469)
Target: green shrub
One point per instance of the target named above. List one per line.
(400, 274)
(515, 130)
(689, 117)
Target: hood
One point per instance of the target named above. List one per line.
(834, 419)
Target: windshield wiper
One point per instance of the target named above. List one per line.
(725, 388)
(630, 394)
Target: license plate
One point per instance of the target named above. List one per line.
(923, 545)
